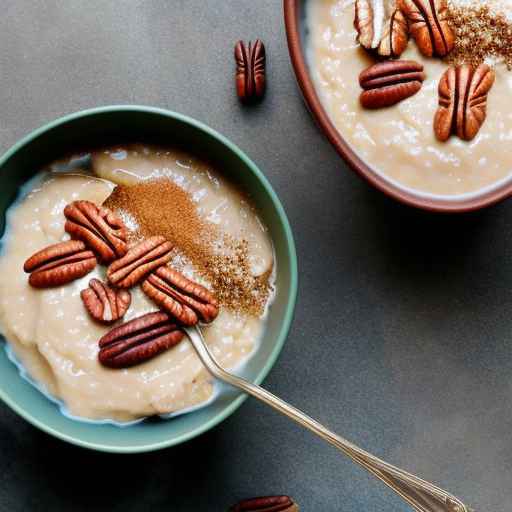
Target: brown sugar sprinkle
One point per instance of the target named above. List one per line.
(161, 207)
(234, 284)
(481, 32)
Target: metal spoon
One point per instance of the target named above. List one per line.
(420, 494)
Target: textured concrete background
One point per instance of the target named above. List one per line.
(401, 338)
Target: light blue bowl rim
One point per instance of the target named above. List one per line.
(292, 296)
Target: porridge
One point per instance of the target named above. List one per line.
(402, 142)
(215, 260)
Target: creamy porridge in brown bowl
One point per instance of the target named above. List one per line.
(456, 163)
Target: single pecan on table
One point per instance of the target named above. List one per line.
(100, 228)
(59, 264)
(185, 300)
(250, 71)
(138, 340)
(139, 261)
(266, 504)
(462, 101)
(388, 37)
(388, 83)
(428, 25)
(103, 303)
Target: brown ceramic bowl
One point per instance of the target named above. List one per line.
(294, 15)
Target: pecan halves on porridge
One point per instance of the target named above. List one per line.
(59, 264)
(139, 261)
(429, 26)
(388, 37)
(103, 303)
(388, 83)
(250, 70)
(462, 101)
(266, 504)
(100, 228)
(138, 340)
(185, 300)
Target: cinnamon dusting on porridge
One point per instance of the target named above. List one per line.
(483, 33)
(219, 258)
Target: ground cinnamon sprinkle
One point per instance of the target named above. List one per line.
(482, 31)
(161, 207)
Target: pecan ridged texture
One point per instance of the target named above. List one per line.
(139, 261)
(388, 37)
(429, 25)
(100, 228)
(104, 303)
(182, 298)
(59, 264)
(369, 22)
(250, 71)
(395, 36)
(139, 340)
(462, 108)
(266, 504)
(387, 83)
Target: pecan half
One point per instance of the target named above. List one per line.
(104, 303)
(388, 37)
(138, 340)
(266, 504)
(139, 261)
(369, 22)
(250, 70)
(428, 24)
(387, 83)
(185, 300)
(59, 264)
(395, 36)
(462, 101)
(102, 230)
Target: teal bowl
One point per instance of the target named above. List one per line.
(117, 123)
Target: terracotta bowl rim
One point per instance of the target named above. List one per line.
(449, 204)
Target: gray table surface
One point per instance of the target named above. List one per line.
(401, 338)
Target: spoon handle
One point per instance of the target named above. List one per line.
(420, 494)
